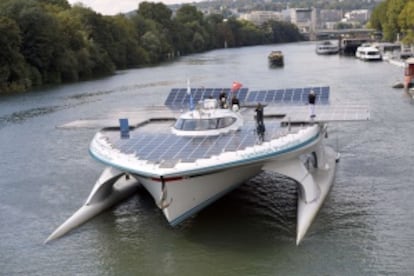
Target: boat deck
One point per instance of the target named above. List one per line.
(155, 143)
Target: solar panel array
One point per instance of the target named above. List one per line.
(289, 95)
(167, 149)
(324, 113)
(179, 98)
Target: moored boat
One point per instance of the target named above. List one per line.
(276, 59)
(367, 52)
(327, 48)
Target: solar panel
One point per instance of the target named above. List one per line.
(171, 97)
(159, 146)
(252, 96)
(324, 113)
(178, 97)
(279, 95)
(290, 96)
(241, 94)
(269, 96)
(287, 96)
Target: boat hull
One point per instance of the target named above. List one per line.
(180, 198)
(368, 54)
(324, 177)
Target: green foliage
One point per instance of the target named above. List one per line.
(394, 18)
(187, 14)
(406, 22)
(378, 15)
(277, 31)
(155, 11)
(48, 41)
(13, 71)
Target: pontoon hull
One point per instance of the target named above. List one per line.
(186, 196)
(111, 188)
(181, 196)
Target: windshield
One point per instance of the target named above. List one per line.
(203, 124)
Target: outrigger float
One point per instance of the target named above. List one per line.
(187, 160)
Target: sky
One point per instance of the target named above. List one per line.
(112, 7)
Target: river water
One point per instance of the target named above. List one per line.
(366, 226)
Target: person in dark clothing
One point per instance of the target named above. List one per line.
(259, 113)
(259, 120)
(235, 104)
(311, 102)
(223, 100)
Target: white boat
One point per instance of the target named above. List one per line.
(327, 48)
(368, 52)
(187, 160)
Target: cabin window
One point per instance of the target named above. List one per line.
(203, 124)
(226, 121)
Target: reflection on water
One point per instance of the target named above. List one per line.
(203, 60)
(364, 228)
(18, 117)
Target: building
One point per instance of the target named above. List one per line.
(260, 17)
(304, 19)
(361, 16)
(329, 18)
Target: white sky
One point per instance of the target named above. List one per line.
(112, 7)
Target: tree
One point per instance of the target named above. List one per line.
(158, 22)
(250, 34)
(233, 32)
(158, 12)
(152, 43)
(213, 22)
(13, 70)
(188, 14)
(64, 4)
(391, 28)
(406, 22)
(378, 15)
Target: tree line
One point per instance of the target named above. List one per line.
(50, 42)
(395, 19)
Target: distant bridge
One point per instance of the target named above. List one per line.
(348, 39)
(320, 34)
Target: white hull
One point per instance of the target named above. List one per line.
(368, 54)
(376, 58)
(184, 197)
(327, 48)
(324, 177)
(331, 51)
(111, 188)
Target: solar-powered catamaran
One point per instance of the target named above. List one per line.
(187, 160)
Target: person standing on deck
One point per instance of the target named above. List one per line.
(311, 102)
(223, 100)
(235, 104)
(259, 120)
